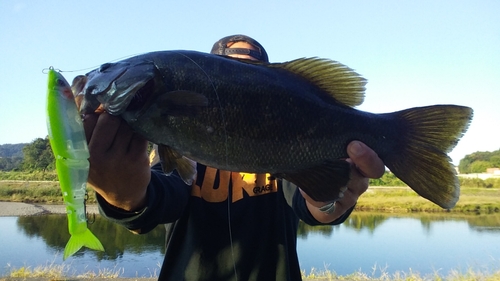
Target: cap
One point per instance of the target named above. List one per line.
(220, 47)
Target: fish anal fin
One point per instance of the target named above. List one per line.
(170, 159)
(341, 83)
(322, 183)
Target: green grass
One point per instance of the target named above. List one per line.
(64, 272)
(382, 275)
(479, 200)
(28, 176)
(35, 192)
(403, 199)
(475, 200)
(60, 272)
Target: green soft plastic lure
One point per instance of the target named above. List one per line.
(67, 139)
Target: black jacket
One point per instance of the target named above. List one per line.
(209, 237)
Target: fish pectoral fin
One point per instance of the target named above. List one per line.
(170, 159)
(79, 240)
(181, 103)
(341, 83)
(322, 183)
(154, 157)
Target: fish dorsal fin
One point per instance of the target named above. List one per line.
(339, 81)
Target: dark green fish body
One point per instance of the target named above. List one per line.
(293, 120)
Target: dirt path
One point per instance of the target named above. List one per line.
(14, 209)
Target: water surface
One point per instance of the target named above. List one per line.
(426, 244)
(389, 243)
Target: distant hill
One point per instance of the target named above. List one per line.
(12, 150)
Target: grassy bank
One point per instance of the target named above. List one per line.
(28, 176)
(482, 200)
(474, 199)
(63, 272)
(403, 199)
(60, 272)
(35, 192)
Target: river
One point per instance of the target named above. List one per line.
(372, 243)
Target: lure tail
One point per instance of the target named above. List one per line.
(79, 240)
(72, 178)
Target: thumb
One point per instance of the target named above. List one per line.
(365, 159)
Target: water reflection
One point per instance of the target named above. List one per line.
(364, 236)
(369, 221)
(425, 243)
(116, 239)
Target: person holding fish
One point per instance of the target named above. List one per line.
(225, 225)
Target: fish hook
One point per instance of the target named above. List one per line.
(46, 70)
(87, 215)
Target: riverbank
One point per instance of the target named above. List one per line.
(32, 209)
(15, 209)
(41, 198)
(78, 279)
(473, 199)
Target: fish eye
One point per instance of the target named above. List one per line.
(104, 67)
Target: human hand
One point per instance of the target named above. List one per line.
(365, 164)
(119, 164)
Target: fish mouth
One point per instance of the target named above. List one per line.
(119, 87)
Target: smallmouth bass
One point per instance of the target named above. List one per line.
(292, 120)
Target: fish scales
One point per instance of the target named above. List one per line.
(242, 118)
(293, 120)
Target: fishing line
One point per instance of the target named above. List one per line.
(229, 193)
(45, 70)
(87, 215)
(218, 101)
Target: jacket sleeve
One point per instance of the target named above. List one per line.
(167, 198)
(298, 204)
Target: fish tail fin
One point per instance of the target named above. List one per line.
(79, 240)
(420, 159)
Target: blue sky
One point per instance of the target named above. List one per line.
(413, 53)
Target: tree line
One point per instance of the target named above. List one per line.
(11, 156)
(34, 156)
(478, 162)
(38, 156)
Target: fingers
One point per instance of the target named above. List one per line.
(104, 133)
(365, 164)
(119, 165)
(365, 159)
(110, 139)
(357, 185)
(123, 138)
(89, 122)
(138, 147)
